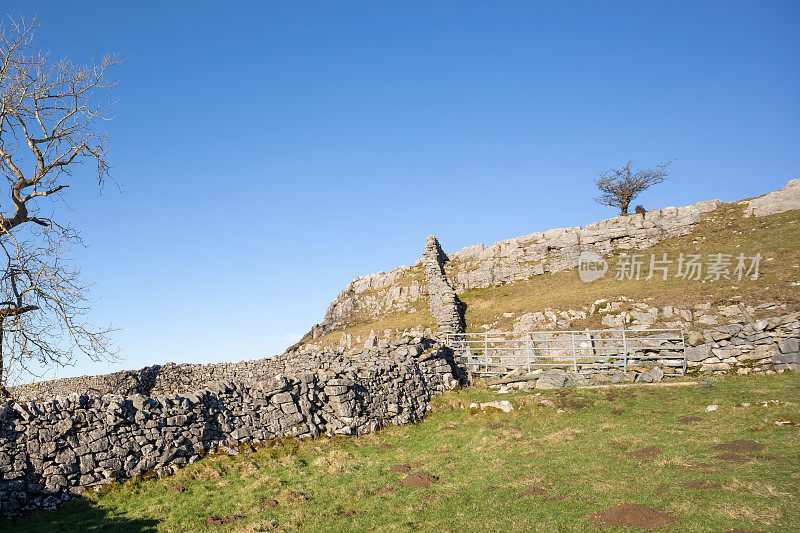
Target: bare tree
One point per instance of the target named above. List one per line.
(50, 115)
(619, 187)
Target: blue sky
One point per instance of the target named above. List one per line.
(271, 152)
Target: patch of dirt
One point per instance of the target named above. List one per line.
(617, 411)
(489, 488)
(448, 428)
(384, 491)
(534, 443)
(348, 512)
(551, 499)
(269, 502)
(740, 445)
(619, 444)
(419, 480)
(515, 428)
(442, 452)
(216, 520)
(702, 484)
(565, 403)
(176, 488)
(645, 453)
(659, 412)
(532, 491)
(633, 515)
(495, 426)
(767, 457)
(385, 446)
(732, 457)
(405, 467)
(294, 496)
(689, 419)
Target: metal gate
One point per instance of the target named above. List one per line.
(600, 350)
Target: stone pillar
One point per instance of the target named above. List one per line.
(446, 308)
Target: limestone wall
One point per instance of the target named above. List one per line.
(53, 448)
(445, 306)
(770, 344)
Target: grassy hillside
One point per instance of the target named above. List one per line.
(775, 237)
(723, 231)
(551, 465)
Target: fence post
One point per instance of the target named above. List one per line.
(528, 350)
(624, 351)
(683, 342)
(574, 355)
(486, 353)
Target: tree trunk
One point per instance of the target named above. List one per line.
(3, 391)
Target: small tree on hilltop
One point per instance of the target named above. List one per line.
(619, 187)
(50, 112)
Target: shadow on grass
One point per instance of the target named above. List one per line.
(79, 515)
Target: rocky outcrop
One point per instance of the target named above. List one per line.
(446, 308)
(53, 448)
(779, 201)
(480, 266)
(558, 249)
(395, 291)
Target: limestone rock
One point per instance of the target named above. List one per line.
(445, 306)
(779, 201)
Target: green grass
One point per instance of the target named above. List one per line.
(575, 452)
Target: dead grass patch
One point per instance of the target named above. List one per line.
(565, 435)
(335, 461)
(765, 514)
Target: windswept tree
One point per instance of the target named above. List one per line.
(50, 126)
(620, 186)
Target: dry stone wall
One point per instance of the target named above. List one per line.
(769, 344)
(52, 449)
(445, 306)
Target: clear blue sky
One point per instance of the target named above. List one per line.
(270, 152)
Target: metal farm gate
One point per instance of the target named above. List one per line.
(601, 350)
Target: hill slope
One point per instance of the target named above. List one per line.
(532, 282)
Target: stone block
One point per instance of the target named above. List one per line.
(698, 353)
(790, 345)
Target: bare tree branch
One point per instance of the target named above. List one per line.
(619, 187)
(50, 114)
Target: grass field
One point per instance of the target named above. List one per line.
(540, 468)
